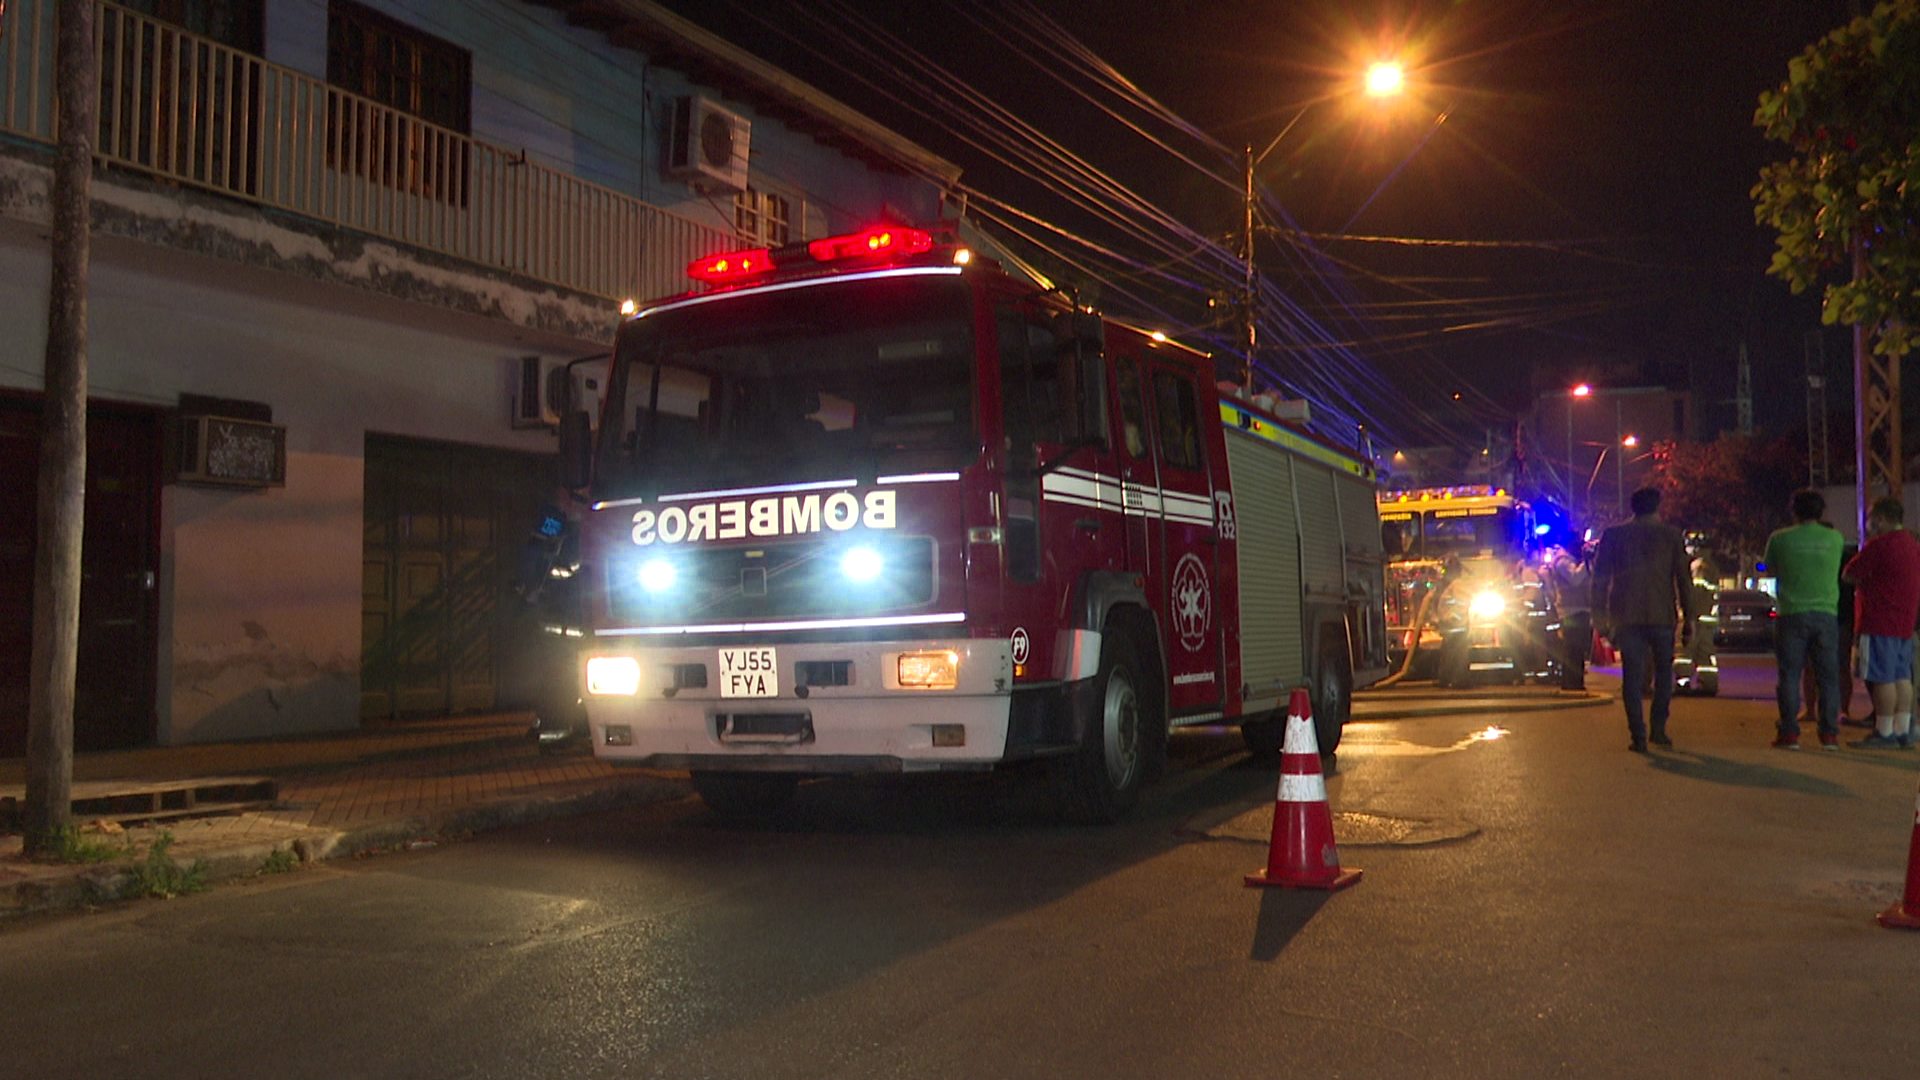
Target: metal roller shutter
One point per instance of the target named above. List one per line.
(1269, 553)
(1321, 564)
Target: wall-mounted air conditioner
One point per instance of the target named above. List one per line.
(546, 388)
(707, 146)
(224, 451)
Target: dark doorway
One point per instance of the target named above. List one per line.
(114, 698)
(442, 629)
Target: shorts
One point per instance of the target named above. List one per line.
(1884, 659)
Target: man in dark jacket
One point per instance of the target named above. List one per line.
(1641, 581)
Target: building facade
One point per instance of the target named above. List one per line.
(339, 248)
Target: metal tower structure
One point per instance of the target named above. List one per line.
(1818, 468)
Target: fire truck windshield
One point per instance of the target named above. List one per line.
(1467, 533)
(852, 377)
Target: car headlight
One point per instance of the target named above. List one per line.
(861, 565)
(1487, 605)
(613, 675)
(657, 575)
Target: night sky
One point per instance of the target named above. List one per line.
(1616, 135)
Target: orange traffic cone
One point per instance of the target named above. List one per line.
(1905, 915)
(1302, 854)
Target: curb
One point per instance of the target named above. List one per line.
(98, 885)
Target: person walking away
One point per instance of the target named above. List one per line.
(1571, 576)
(1886, 593)
(1641, 580)
(1804, 559)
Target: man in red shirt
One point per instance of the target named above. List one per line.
(1886, 599)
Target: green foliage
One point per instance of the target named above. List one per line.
(159, 876)
(1735, 490)
(280, 861)
(1850, 112)
(70, 845)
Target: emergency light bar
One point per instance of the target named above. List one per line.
(882, 242)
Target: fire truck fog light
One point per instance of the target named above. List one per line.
(861, 565)
(657, 575)
(1487, 605)
(619, 735)
(929, 670)
(949, 734)
(613, 675)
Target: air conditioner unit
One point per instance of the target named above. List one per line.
(228, 452)
(708, 146)
(547, 388)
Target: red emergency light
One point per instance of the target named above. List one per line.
(885, 240)
(732, 265)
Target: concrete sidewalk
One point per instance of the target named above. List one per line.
(339, 795)
(391, 785)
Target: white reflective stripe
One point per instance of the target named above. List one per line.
(797, 624)
(783, 286)
(1297, 788)
(1300, 737)
(917, 478)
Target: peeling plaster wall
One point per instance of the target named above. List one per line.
(260, 591)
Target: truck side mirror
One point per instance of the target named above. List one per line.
(576, 450)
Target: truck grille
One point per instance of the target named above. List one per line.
(773, 581)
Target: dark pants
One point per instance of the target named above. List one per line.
(1799, 640)
(1645, 647)
(1576, 644)
(1810, 684)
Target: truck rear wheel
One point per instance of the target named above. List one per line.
(1332, 698)
(745, 796)
(1102, 779)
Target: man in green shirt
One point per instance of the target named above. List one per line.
(1804, 559)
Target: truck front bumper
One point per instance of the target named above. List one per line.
(866, 724)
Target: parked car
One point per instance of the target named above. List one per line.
(1746, 618)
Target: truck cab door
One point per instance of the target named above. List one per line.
(1189, 541)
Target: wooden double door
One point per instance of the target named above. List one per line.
(442, 628)
(120, 556)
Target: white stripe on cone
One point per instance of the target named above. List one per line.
(1300, 737)
(1309, 788)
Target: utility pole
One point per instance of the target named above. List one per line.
(1743, 393)
(63, 441)
(1250, 292)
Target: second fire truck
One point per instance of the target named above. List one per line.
(871, 504)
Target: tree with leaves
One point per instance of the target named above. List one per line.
(1733, 490)
(1850, 195)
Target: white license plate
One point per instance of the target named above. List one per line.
(749, 673)
(1741, 618)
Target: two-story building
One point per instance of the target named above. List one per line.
(340, 247)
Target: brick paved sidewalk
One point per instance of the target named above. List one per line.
(338, 795)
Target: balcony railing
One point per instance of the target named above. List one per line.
(183, 107)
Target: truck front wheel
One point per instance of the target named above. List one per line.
(1333, 698)
(1101, 780)
(745, 796)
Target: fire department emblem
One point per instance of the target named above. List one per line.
(1020, 645)
(1223, 504)
(1192, 602)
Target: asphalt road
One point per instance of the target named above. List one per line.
(1580, 911)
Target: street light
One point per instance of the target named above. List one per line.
(1580, 391)
(1620, 465)
(1382, 80)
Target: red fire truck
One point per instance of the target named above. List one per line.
(871, 504)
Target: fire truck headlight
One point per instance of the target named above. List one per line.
(1487, 605)
(861, 565)
(929, 670)
(613, 675)
(657, 575)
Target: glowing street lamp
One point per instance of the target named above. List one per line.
(1385, 79)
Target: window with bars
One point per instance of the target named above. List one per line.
(763, 217)
(407, 76)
